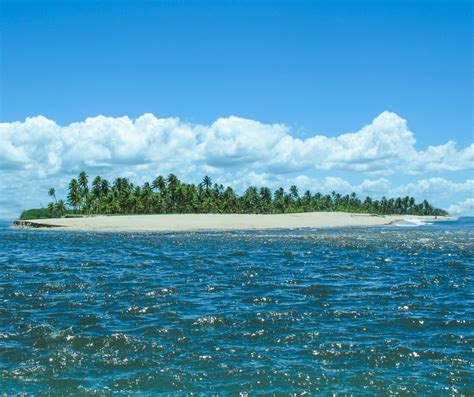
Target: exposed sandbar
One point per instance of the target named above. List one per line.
(190, 222)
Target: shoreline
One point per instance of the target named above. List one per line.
(221, 222)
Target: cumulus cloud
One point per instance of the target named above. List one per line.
(443, 158)
(464, 208)
(384, 146)
(437, 186)
(237, 141)
(31, 145)
(238, 151)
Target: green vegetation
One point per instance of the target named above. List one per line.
(44, 213)
(171, 196)
(36, 213)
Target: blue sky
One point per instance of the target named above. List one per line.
(319, 68)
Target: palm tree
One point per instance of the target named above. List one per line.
(104, 187)
(97, 187)
(368, 204)
(60, 208)
(265, 199)
(159, 183)
(83, 181)
(229, 201)
(294, 192)
(306, 201)
(176, 197)
(172, 181)
(96, 192)
(279, 200)
(52, 193)
(74, 196)
(51, 209)
(170, 199)
(251, 200)
(146, 196)
(207, 182)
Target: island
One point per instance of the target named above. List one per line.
(167, 204)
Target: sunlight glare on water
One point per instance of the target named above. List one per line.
(362, 310)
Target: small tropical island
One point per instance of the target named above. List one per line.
(209, 205)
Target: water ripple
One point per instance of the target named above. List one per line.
(348, 311)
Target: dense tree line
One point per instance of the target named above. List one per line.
(171, 196)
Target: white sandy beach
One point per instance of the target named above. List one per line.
(189, 222)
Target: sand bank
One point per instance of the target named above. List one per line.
(189, 222)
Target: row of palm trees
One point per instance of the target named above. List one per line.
(171, 196)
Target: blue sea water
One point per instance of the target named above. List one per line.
(359, 311)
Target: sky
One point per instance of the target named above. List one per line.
(374, 97)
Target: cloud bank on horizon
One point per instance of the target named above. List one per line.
(39, 153)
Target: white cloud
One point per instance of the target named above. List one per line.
(443, 158)
(385, 145)
(462, 208)
(437, 186)
(31, 145)
(236, 141)
(39, 152)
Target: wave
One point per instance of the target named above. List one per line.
(412, 222)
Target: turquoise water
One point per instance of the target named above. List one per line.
(361, 311)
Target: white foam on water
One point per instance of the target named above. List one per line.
(412, 222)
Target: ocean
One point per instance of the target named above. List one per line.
(363, 311)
